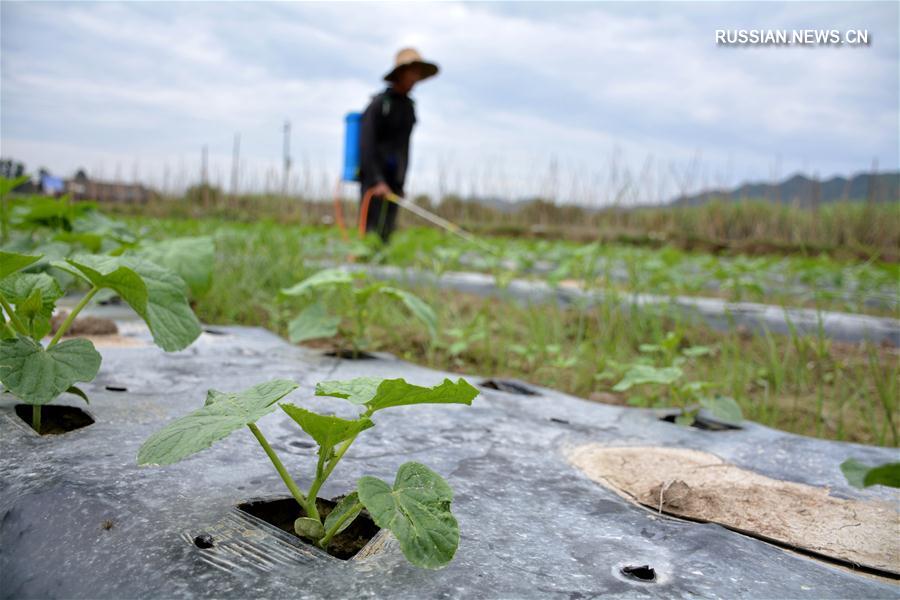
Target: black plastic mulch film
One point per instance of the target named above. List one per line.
(79, 519)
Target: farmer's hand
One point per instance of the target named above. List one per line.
(381, 189)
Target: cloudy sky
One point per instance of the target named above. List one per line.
(592, 102)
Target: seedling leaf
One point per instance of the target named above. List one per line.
(378, 394)
(8, 184)
(223, 413)
(347, 508)
(312, 323)
(416, 306)
(170, 318)
(417, 511)
(37, 375)
(855, 472)
(724, 409)
(191, 258)
(860, 475)
(77, 391)
(695, 351)
(396, 392)
(110, 272)
(309, 528)
(11, 262)
(327, 431)
(641, 374)
(686, 419)
(357, 391)
(155, 293)
(325, 278)
(35, 296)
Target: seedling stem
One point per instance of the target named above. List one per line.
(285, 476)
(323, 543)
(71, 317)
(13, 318)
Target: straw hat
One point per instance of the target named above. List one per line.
(409, 57)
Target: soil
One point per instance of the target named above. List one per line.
(83, 326)
(115, 341)
(103, 333)
(702, 422)
(641, 573)
(510, 387)
(55, 418)
(282, 513)
(702, 487)
(329, 349)
(350, 354)
(608, 398)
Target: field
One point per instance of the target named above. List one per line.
(854, 231)
(808, 385)
(609, 347)
(705, 343)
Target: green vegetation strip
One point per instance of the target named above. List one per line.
(806, 385)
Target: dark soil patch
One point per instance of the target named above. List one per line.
(282, 513)
(331, 348)
(705, 423)
(212, 331)
(510, 387)
(350, 355)
(56, 419)
(641, 573)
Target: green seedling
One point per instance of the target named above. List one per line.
(740, 277)
(36, 374)
(352, 297)
(6, 186)
(463, 339)
(191, 258)
(860, 475)
(690, 397)
(59, 227)
(416, 508)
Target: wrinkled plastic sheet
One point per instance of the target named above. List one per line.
(78, 518)
(773, 282)
(717, 313)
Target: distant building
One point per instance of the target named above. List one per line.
(81, 187)
(52, 186)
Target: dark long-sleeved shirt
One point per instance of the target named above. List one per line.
(384, 140)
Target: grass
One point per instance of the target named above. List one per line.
(800, 384)
(858, 231)
(819, 282)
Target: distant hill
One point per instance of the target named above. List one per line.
(883, 187)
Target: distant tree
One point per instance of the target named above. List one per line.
(11, 169)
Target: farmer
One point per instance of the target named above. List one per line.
(384, 140)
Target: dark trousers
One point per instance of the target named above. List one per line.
(382, 217)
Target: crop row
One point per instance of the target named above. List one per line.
(803, 384)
